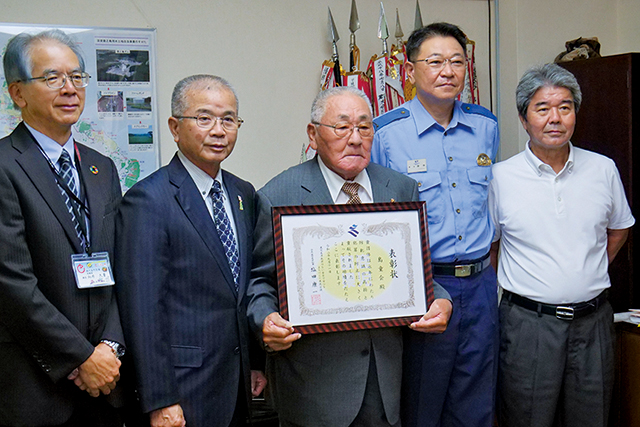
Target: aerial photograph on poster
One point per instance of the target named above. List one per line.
(122, 65)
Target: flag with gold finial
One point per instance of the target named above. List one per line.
(397, 58)
(409, 88)
(354, 77)
(331, 73)
(386, 91)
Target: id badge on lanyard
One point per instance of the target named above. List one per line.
(92, 271)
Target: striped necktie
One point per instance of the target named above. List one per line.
(66, 173)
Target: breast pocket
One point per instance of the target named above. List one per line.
(186, 356)
(430, 187)
(479, 177)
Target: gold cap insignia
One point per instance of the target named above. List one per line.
(483, 160)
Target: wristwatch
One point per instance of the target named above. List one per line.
(117, 349)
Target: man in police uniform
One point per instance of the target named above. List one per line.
(448, 147)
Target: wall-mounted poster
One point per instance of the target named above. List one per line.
(120, 114)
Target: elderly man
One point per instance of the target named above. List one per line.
(184, 281)
(561, 217)
(448, 148)
(60, 336)
(334, 379)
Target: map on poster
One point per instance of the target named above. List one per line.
(120, 114)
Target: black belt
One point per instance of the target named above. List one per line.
(462, 269)
(562, 311)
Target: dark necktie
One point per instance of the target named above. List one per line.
(223, 226)
(66, 173)
(351, 190)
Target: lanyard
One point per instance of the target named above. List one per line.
(84, 210)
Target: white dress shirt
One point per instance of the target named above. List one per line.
(335, 182)
(204, 182)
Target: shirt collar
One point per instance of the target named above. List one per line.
(424, 120)
(203, 180)
(539, 166)
(334, 181)
(51, 148)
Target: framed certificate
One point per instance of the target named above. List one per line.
(348, 267)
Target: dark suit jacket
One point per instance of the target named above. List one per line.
(321, 379)
(48, 326)
(186, 327)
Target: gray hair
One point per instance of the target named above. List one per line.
(179, 102)
(547, 75)
(17, 60)
(319, 105)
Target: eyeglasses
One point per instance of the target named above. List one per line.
(57, 80)
(205, 121)
(342, 129)
(437, 63)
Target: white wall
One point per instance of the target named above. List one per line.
(628, 18)
(270, 50)
(534, 32)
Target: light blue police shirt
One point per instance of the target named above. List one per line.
(452, 169)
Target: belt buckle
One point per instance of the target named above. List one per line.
(462, 270)
(564, 312)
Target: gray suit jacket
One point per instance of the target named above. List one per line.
(321, 379)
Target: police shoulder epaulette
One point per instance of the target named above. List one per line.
(478, 109)
(393, 115)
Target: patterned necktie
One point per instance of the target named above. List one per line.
(351, 189)
(223, 225)
(66, 173)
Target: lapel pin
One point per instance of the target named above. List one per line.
(93, 169)
(240, 202)
(393, 200)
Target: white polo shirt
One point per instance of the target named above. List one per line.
(553, 227)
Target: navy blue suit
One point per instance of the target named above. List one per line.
(185, 323)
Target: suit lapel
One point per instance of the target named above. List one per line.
(314, 187)
(241, 219)
(379, 186)
(197, 213)
(36, 167)
(316, 192)
(94, 187)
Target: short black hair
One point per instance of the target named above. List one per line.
(437, 29)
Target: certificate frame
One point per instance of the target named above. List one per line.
(329, 257)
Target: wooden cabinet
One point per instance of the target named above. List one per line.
(608, 122)
(625, 408)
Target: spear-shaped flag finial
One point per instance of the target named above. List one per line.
(354, 25)
(383, 30)
(333, 38)
(399, 34)
(418, 22)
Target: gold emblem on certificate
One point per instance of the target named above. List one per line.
(483, 160)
